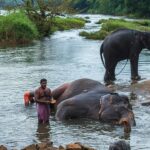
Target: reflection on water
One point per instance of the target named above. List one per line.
(63, 57)
(43, 133)
(132, 96)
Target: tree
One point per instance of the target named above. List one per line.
(42, 12)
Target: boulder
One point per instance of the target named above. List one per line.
(2, 147)
(61, 147)
(41, 146)
(30, 147)
(84, 147)
(73, 147)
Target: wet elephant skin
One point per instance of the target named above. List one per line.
(86, 98)
(120, 45)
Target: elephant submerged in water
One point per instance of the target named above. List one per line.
(123, 44)
(86, 98)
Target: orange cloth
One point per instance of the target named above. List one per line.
(26, 98)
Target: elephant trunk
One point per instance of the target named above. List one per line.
(127, 120)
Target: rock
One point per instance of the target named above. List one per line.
(41, 146)
(51, 148)
(84, 147)
(61, 148)
(30, 147)
(144, 85)
(73, 147)
(145, 103)
(2, 147)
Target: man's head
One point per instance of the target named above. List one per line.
(43, 83)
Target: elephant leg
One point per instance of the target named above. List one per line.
(110, 72)
(134, 67)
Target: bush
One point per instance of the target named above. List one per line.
(114, 24)
(143, 22)
(16, 28)
(101, 21)
(99, 35)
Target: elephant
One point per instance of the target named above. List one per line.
(87, 98)
(123, 44)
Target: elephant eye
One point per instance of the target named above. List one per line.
(116, 109)
(125, 102)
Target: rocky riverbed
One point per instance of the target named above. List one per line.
(49, 146)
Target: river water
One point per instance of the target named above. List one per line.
(63, 57)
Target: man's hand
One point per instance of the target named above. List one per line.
(52, 101)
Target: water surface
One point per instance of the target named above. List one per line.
(63, 57)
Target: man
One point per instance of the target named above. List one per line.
(43, 98)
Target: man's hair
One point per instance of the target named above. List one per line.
(43, 80)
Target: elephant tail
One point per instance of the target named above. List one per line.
(101, 55)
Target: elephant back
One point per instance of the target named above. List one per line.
(83, 86)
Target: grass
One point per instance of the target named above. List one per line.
(67, 23)
(16, 29)
(111, 25)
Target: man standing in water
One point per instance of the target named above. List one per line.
(43, 98)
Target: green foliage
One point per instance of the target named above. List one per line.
(101, 21)
(111, 25)
(67, 23)
(143, 22)
(82, 5)
(115, 7)
(42, 12)
(17, 28)
(94, 35)
(114, 24)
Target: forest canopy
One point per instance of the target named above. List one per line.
(139, 8)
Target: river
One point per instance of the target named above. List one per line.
(63, 57)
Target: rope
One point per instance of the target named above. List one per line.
(122, 68)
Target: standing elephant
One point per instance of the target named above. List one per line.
(123, 44)
(86, 98)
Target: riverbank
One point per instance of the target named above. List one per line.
(49, 146)
(121, 144)
(110, 25)
(17, 29)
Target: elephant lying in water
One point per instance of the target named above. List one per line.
(86, 98)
